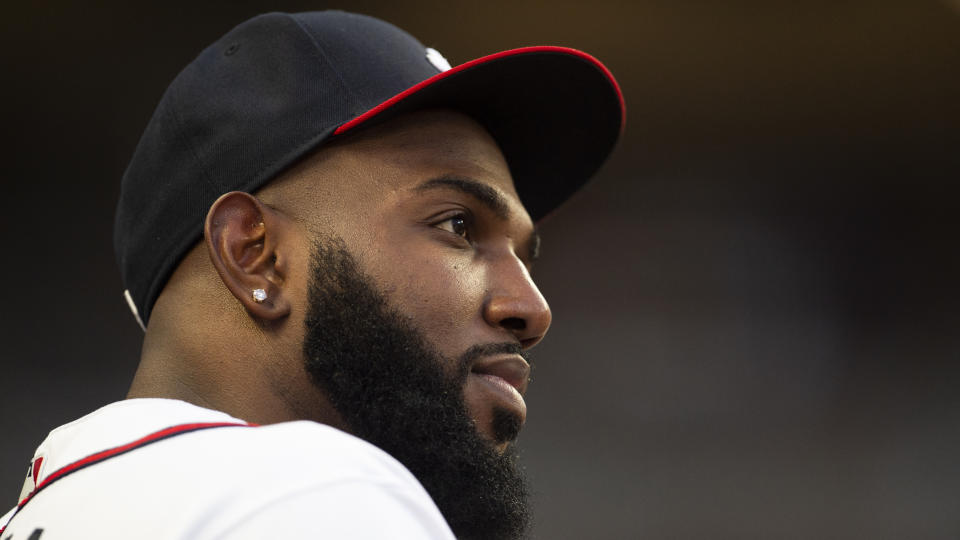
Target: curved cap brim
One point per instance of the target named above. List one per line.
(555, 112)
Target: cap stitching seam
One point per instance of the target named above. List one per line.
(311, 139)
(145, 312)
(189, 141)
(319, 50)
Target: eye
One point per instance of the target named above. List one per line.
(458, 224)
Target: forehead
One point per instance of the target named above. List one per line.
(353, 175)
(431, 142)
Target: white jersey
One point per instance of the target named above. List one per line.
(159, 468)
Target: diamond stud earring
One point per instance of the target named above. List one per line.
(259, 295)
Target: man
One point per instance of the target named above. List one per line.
(327, 234)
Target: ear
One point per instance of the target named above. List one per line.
(244, 238)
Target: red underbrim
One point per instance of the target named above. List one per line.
(556, 113)
(484, 60)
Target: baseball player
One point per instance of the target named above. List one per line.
(326, 233)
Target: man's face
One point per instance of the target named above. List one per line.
(420, 310)
(427, 206)
(394, 390)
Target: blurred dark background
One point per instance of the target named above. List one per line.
(756, 301)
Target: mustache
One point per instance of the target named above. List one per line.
(487, 349)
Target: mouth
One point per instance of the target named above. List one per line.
(499, 382)
(509, 371)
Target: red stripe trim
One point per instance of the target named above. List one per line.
(36, 470)
(106, 454)
(482, 60)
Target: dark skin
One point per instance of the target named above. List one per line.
(426, 203)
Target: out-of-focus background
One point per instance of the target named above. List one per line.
(756, 302)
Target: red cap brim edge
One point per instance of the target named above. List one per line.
(391, 102)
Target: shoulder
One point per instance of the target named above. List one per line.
(304, 478)
(288, 453)
(290, 480)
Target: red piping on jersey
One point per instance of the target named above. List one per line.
(36, 470)
(483, 60)
(109, 453)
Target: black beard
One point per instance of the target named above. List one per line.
(390, 387)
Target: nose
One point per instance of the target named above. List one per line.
(514, 303)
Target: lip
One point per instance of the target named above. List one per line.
(510, 368)
(496, 384)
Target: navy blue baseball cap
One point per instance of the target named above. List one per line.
(280, 85)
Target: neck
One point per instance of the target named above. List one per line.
(257, 388)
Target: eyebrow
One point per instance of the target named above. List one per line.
(485, 195)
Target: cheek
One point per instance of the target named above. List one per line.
(296, 284)
(436, 287)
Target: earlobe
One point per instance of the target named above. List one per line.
(244, 237)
